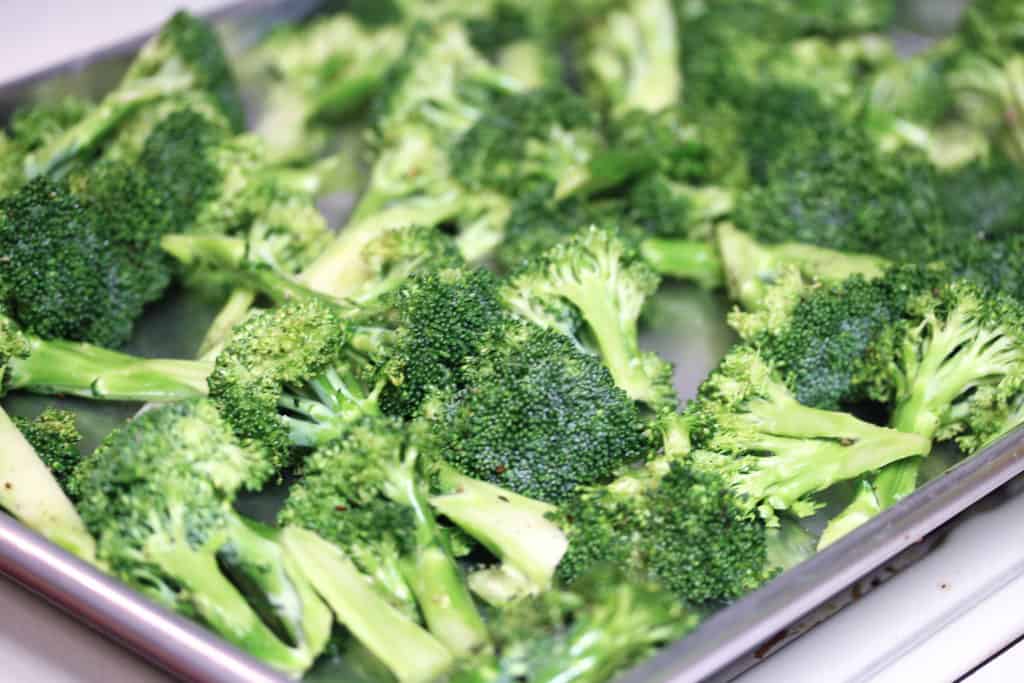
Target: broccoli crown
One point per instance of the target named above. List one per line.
(595, 628)
(349, 495)
(82, 260)
(981, 197)
(537, 416)
(528, 138)
(843, 194)
(188, 43)
(508, 21)
(130, 138)
(55, 438)
(441, 317)
(954, 365)
(169, 473)
(818, 337)
(203, 173)
(275, 353)
(597, 276)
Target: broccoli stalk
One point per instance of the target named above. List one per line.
(596, 275)
(159, 495)
(371, 620)
(32, 495)
(366, 494)
(689, 260)
(751, 267)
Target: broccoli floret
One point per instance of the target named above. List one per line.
(366, 494)
(374, 622)
(33, 128)
(587, 633)
(596, 276)
(158, 494)
(130, 138)
(536, 415)
(55, 438)
(185, 55)
(290, 376)
(83, 259)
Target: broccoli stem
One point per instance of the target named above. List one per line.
(512, 527)
(373, 621)
(31, 494)
(434, 577)
(254, 552)
(88, 132)
(341, 269)
(684, 259)
(219, 603)
(62, 367)
(864, 506)
(231, 314)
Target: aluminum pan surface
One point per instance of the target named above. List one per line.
(689, 329)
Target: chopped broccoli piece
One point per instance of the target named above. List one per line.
(596, 276)
(55, 438)
(158, 493)
(365, 493)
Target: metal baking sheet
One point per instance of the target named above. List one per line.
(688, 328)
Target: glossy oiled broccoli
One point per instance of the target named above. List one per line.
(291, 376)
(82, 259)
(366, 493)
(536, 415)
(55, 438)
(185, 55)
(586, 633)
(158, 494)
(593, 286)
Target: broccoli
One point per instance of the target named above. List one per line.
(588, 632)
(373, 621)
(366, 494)
(32, 128)
(595, 276)
(158, 494)
(185, 55)
(55, 438)
(30, 491)
(534, 414)
(82, 257)
(61, 367)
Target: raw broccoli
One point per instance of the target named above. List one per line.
(374, 622)
(366, 494)
(587, 633)
(61, 367)
(30, 491)
(82, 258)
(185, 55)
(33, 128)
(536, 415)
(55, 438)
(158, 494)
(594, 285)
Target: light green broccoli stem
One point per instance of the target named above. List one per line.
(516, 529)
(684, 259)
(88, 132)
(863, 507)
(219, 604)
(79, 369)
(233, 312)
(377, 625)
(340, 401)
(341, 269)
(255, 553)
(30, 493)
(435, 579)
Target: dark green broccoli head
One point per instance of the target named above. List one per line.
(441, 317)
(55, 438)
(33, 128)
(274, 354)
(982, 198)
(536, 415)
(526, 139)
(993, 27)
(130, 138)
(818, 337)
(83, 260)
(190, 45)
